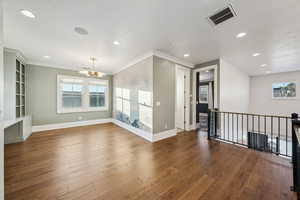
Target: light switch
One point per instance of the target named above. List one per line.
(158, 103)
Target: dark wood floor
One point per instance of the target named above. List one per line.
(108, 162)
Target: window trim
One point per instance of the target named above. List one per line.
(85, 95)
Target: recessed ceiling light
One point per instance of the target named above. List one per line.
(256, 54)
(186, 55)
(27, 13)
(81, 31)
(263, 65)
(207, 71)
(240, 35)
(116, 43)
(47, 57)
(268, 72)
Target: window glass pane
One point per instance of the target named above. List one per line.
(126, 93)
(203, 94)
(71, 95)
(118, 92)
(145, 97)
(97, 95)
(126, 108)
(119, 105)
(145, 113)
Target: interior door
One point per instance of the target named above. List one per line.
(180, 98)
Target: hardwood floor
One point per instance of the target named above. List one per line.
(107, 162)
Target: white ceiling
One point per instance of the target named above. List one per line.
(173, 26)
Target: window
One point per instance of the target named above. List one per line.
(77, 94)
(145, 107)
(203, 93)
(71, 95)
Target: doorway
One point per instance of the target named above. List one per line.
(182, 77)
(205, 95)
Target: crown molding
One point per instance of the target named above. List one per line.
(160, 54)
(174, 59)
(18, 53)
(41, 64)
(135, 61)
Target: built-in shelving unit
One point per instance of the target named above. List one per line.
(15, 114)
(20, 89)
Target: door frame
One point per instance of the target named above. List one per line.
(216, 90)
(187, 95)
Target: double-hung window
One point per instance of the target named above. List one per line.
(77, 94)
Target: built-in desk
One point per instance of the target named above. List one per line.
(16, 130)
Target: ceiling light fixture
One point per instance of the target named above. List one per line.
(186, 55)
(240, 35)
(91, 71)
(47, 57)
(268, 72)
(256, 54)
(263, 65)
(116, 43)
(27, 13)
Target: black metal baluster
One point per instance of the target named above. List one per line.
(286, 136)
(253, 123)
(265, 145)
(271, 134)
(242, 128)
(278, 141)
(228, 125)
(232, 128)
(258, 135)
(247, 130)
(237, 128)
(209, 123)
(224, 131)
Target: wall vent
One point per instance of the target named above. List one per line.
(222, 15)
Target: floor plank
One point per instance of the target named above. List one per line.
(108, 162)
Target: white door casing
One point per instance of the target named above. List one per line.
(180, 98)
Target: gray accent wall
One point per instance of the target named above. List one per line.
(164, 93)
(41, 97)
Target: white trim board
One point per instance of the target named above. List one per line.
(164, 135)
(146, 135)
(48, 127)
(136, 131)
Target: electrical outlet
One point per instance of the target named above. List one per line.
(80, 118)
(158, 103)
(166, 125)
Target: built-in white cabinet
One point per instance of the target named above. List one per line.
(16, 121)
(14, 84)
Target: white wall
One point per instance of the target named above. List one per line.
(261, 95)
(1, 107)
(234, 88)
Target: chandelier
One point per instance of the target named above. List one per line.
(91, 71)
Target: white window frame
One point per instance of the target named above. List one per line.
(85, 95)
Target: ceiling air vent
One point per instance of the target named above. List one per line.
(222, 15)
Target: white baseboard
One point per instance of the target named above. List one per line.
(146, 135)
(139, 132)
(48, 127)
(164, 135)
